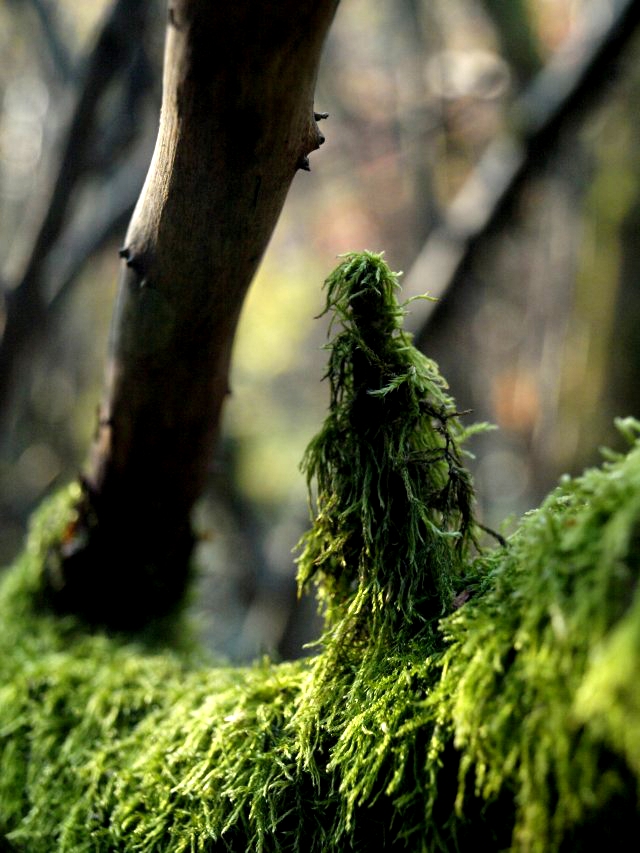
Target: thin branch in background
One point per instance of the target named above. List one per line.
(558, 98)
(25, 305)
(61, 58)
(70, 256)
(111, 208)
(518, 43)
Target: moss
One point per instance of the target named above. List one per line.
(106, 744)
(457, 700)
(392, 529)
(394, 506)
(524, 658)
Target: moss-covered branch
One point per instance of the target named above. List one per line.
(457, 702)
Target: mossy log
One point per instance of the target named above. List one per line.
(460, 699)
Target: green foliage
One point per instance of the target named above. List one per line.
(456, 702)
(107, 744)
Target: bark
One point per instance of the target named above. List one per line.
(237, 122)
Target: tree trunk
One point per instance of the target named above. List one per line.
(237, 122)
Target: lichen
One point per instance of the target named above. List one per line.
(456, 701)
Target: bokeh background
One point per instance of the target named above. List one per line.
(489, 147)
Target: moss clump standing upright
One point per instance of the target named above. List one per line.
(387, 547)
(394, 502)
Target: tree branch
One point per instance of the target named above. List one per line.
(558, 97)
(112, 210)
(25, 306)
(60, 56)
(237, 122)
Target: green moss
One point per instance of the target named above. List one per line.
(456, 702)
(392, 526)
(394, 504)
(524, 658)
(108, 745)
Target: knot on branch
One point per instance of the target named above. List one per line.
(314, 139)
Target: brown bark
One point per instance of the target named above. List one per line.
(237, 122)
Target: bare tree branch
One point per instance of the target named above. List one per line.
(237, 122)
(25, 304)
(558, 98)
(56, 48)
(88, 234)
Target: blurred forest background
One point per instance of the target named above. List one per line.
(489, 147)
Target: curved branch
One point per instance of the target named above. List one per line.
(237, 122)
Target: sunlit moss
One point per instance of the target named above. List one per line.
(456, 702)
(524, 657)
(394, 502)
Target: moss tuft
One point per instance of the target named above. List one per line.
(394, 505)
